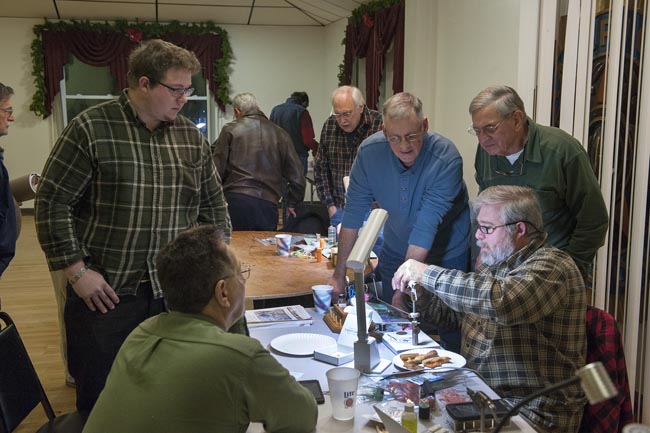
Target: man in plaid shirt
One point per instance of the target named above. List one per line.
(350, 123)
(522, 312)
(123, 180)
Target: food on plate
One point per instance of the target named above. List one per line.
(418, 361)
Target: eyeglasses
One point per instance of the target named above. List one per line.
(9, 111)
(488, 230)
(410, 139)
(345, 115)
(246, 273)
(512, 173)
(176, 91)
(489, 129)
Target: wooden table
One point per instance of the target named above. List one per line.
(273, 276)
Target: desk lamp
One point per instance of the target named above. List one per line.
(366, 353)
(593, 379)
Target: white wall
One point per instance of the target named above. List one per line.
(30, 137)
(271, 62)
(457, 48)
(452, 50)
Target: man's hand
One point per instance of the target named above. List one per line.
(399, 301)
(331, 210)
(411, 270)
(95, 292)
(292, 211)
(338, 284)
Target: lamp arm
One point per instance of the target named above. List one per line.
(551, 388)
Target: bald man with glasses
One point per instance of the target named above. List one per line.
(514, 150)
(417, 176)
(350, 123)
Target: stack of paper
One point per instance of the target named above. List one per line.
(278, 317)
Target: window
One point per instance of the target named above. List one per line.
(84, 86)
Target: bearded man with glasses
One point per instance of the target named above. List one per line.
(417, 177)
(522, 311)
(123, 179)
(514, 150)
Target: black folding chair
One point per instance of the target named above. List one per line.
(21, 389)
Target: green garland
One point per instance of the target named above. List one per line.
(371, 8)
(148, 29)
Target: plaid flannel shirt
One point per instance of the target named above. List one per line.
(114, 193)
(523, 327)
(604, 344)
(336, 153)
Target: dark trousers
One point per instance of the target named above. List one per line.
(250, 213)
(95, 338)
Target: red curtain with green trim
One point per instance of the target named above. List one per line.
(112, 49)
(371, 39)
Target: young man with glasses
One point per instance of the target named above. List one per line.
(351, 122)
(125, 177)
(182, 371)
(522, 312)
(417, 177)
(8, 224)
(514, 150)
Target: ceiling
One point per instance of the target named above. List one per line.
(244, 12)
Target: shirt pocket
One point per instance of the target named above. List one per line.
(550, 203)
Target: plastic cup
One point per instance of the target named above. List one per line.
(342, 382)
(283, 241)
(322, 297)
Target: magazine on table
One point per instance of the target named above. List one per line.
(292, 315)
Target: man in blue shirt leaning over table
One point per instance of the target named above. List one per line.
(417, 177)
(183, 371)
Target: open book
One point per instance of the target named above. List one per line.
(277, 317)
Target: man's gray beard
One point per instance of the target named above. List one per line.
(498, 255)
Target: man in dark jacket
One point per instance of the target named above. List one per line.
(255, 157)
(8, 231)
(293, 117)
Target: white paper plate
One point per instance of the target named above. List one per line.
(301, 344)
(457, 360)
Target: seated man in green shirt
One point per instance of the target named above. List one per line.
(183, 371)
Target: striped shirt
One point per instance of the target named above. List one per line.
(114, 193)
(523, 327)
(336, 153)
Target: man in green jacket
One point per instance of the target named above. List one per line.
(183, 371)
(514, 150)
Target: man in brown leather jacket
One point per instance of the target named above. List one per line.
(254, 158)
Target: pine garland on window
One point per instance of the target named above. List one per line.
(135, 30)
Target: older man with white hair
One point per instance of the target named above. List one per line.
(254, 158)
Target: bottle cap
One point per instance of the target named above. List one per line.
(424, 410)
(408, 407)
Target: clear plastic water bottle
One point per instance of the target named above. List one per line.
(331, 235)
